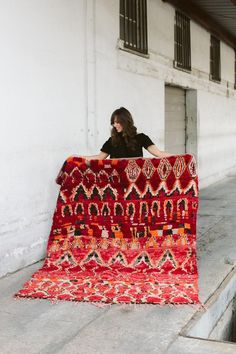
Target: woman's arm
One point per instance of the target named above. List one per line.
(101, 156)
(156, 152)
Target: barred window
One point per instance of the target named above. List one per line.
(215, 59)
(235, 68)
(133, 25)
(182, 41)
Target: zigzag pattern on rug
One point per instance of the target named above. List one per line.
(124, 230)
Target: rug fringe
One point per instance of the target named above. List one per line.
(124, 306)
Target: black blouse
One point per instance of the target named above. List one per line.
(122, 150)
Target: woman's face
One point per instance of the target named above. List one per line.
(117, 125)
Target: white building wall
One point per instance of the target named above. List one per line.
(216, 136)
(119, 84)
(43, 117)
(161, 28)
(200, 50)
(227, 64)
(62, 74)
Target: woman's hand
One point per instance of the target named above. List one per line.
(156, 152)
(101, 156)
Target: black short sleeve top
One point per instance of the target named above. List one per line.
(122, 150)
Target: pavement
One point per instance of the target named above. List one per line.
(39, 326)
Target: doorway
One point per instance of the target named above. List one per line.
(180, 120)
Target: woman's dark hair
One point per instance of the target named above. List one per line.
(124, 117)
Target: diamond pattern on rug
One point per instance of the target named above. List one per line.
(124, 230)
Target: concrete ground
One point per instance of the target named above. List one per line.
(38, 326)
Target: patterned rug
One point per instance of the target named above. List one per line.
(123, 231)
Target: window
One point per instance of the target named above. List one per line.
(133, 25)
(182, 42)
(215, 59)
(235, 69)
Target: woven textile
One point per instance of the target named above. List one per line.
(123, 231)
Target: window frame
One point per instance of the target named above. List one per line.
(182, 42)
(235, 69)
(215, 61)
(133, 27)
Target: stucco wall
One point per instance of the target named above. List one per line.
(43, 117)
(117, 85)
(227, 63)
(216, 136)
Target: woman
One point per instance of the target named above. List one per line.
(124, 141)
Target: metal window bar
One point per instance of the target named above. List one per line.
(215, 59)
(133, 24)
(182, 41)
(122, 19)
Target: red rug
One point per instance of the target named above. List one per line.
(123, 231)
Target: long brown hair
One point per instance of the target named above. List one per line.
(124, 117)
